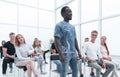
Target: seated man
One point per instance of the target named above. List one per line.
(8, 52)
(58, 62)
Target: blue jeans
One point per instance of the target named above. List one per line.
(59, 65)
(70, 59)
(10, 65)
(39, 60)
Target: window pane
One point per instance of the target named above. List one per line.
(90, 10)
(5, 30)
(12, 0)
(74, 7)
(29, 2)
(27, 16)
(110, 7)
(8, 13)
(111, 29)
(60, 2)
(58, 15)
(46, 4)
(46, 19)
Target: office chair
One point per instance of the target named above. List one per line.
(52, 58)
(55, 57)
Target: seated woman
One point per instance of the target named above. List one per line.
(106, 55)
(38, 54)
(22, 52)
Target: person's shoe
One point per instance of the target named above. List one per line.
(92, 74)
(81, 75)
(11, 70)
(43, 73)
(101, 73)
(46, 63)
(69, 72)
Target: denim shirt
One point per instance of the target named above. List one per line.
(66, 33)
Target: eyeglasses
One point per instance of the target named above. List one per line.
(94, 34)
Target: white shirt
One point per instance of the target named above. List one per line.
(38, 50)
(92, 50)
(104, 51)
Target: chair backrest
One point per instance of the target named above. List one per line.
(54, 57)
(16, 60)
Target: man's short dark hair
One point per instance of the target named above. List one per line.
(63, 10)
(12, 33)
(94, 31)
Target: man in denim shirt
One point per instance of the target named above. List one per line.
(66, 43)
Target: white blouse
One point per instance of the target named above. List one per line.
(38, 50)
(104, 51)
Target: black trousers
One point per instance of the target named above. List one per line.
(44, 54)
(6, 60)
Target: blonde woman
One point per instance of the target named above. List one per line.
(106, 55)
(38, 54)
(22, 52)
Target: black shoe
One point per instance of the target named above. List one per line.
(69, 72)
(46, 63)
(81, 75)
(43, 73)
(92, 74)
(101, 73)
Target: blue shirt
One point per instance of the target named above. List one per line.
(66, 33)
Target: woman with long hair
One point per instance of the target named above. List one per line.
(38, 54)
(22, 52)
(106, 55)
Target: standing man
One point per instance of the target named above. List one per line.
(66, 43)
(8, 52)
(93, 55)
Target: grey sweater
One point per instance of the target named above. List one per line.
(23, 51)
